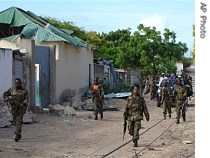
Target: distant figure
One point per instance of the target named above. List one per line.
(153, 89)
(97, 93)
(173, 77)
(147, 86)
(165, 99)
(180, 93)
(135, 108)
(161, 78)
(17, 96)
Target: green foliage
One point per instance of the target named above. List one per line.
(79, 32)
(167, 67)
(193, 51)
(186, 61)
(122, 87)
(146, 48)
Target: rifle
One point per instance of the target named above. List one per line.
(14, 103)
(124, 130)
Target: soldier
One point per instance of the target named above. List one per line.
(165, 99)
(17, 96)
(134, 110)
(153, 88)
(147, 86)
(97, 93)
(180, 93)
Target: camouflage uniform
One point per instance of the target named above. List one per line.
(165, 100)
(18, 99)
(98, 99)
(134, 110)
(147, 87)
(153, 90)
(180, 93)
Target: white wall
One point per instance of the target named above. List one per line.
(9, 44)
(5, 70)
(72, 69)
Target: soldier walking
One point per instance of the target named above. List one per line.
(153, 88)
(180, 93)
(165, 99)
(135, 108)
(97, 93)
(17, 97)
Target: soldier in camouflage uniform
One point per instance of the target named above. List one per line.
(180, 93)
(153, 89)
(17, 96)
(98, 98)
(165, 99)
(135, 108)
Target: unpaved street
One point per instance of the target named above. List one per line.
(81, 136)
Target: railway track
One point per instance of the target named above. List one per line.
(116, 147)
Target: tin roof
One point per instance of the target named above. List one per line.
(34, 26)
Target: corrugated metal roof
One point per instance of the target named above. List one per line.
(13, 17)
(70, 32)
(12, 38)
(62, 34)
(38, 27)
(30, 30)
(44, 34)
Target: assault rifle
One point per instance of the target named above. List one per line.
(14, 103)
(124, 130)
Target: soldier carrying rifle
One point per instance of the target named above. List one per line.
(135, 108)
(180, 93)
(97, 93)
(17, 97)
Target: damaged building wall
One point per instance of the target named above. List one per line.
(104, 74)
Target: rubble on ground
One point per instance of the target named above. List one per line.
(64, 108)
(6, 116)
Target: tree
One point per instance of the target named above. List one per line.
(193, 51)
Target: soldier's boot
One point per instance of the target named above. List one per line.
(164, 117)
(17, 137)
(169, 115)
(101, 115)
(184, 119)
(96, 117)
(177, 122)
(135, 143)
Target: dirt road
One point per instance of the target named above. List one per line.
(83, 137)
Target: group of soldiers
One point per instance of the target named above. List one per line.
(179, 94)
(135, 108)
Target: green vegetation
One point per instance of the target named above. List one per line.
(145, 48)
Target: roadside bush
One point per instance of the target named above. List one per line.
(122, 87)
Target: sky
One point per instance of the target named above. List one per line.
(111, 15)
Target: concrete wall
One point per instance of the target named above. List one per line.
(99, 71)
(8, 44)
(72, 70)
(6, 60)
